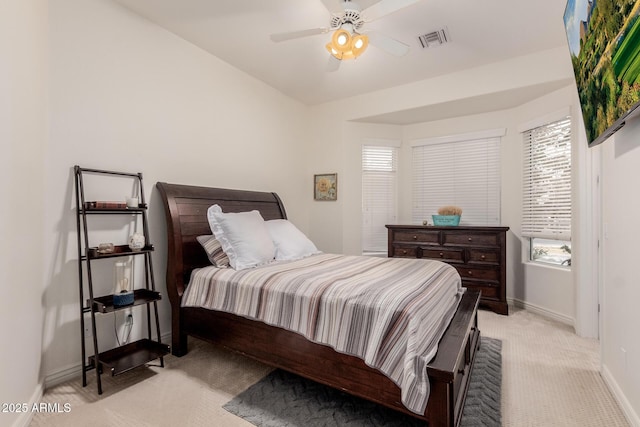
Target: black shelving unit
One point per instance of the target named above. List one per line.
(129, 356)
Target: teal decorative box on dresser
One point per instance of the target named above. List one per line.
(478, 253)
(446, 219)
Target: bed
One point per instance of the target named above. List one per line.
(186, 218)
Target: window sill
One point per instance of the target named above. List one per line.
(549, 266)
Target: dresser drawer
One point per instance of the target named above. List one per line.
(469, 272)
(445, 255)
(404, 251)
(483, 256)
(426, 252)
(417, 236)
(470, 239)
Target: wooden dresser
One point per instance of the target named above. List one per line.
(478, 253)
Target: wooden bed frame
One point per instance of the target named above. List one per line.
(186, 216)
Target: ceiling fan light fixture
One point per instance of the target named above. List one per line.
(341, 40)
(344, 45)
(347, 39)
(359, 44)
(337, 54)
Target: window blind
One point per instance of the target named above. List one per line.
(546, 210)
(379, 195)
(463, 173)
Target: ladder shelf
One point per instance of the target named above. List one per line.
(125, 357)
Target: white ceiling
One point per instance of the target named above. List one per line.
(480, 32)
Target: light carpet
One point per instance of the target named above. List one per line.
(284, 399)
(549, 378)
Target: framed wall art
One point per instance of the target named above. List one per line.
(325, 186)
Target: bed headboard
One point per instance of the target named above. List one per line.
(186, 215)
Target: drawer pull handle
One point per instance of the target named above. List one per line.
(482, 257)
(415, 237)
(404, 252)
(470, 273)
(441, 254)
(469, 238)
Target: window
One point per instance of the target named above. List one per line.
(546, 211)
(379, 199)
(463, 171)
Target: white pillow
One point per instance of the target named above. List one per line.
(243, 236)
(290, 243)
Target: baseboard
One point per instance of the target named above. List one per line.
(544, 312)
(62, 375)
(627, 409)
(25, 417)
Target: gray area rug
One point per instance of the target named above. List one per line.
(283, 399)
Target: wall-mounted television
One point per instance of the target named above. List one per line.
(604, 41)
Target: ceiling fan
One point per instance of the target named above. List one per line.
(346, 22)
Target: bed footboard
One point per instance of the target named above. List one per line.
(449, 371)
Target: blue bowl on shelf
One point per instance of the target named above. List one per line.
(123, 298)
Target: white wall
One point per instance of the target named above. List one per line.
(621, 288)
(326, 152)
(128, 95)
(23, 85)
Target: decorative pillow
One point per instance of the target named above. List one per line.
(214, 251)
(290, 243)
(243, 236)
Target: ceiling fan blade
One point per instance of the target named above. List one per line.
(333, 6)
(333, 64)
(280, 37)
(385, 7)
(387, 44)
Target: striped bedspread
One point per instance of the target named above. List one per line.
(390, 312)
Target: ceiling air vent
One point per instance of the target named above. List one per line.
(434, 38)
